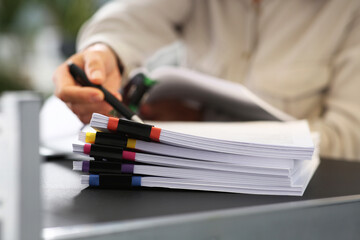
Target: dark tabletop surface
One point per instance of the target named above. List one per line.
(66, 202)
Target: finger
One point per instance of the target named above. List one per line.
(94, 67)
(116, 94)
(78, 94)
(84, 118)
(62, 77)
(86, 109)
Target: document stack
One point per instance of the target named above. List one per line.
(271, 158)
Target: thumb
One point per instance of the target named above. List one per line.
(94, 67)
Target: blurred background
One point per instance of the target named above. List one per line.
(35, 37)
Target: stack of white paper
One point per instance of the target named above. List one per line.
(276, 158)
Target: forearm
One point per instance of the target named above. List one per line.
(134, 29)
(340, 135)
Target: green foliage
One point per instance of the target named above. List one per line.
(25, 18)
(8, 83)
(8, 10)
(71, 14)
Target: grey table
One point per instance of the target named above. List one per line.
(67, 203)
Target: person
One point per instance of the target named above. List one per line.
(302, 57)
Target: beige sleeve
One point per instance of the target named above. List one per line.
(135, 28)
(339, 125)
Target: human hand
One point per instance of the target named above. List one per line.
(170, 110)
(100, 65)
